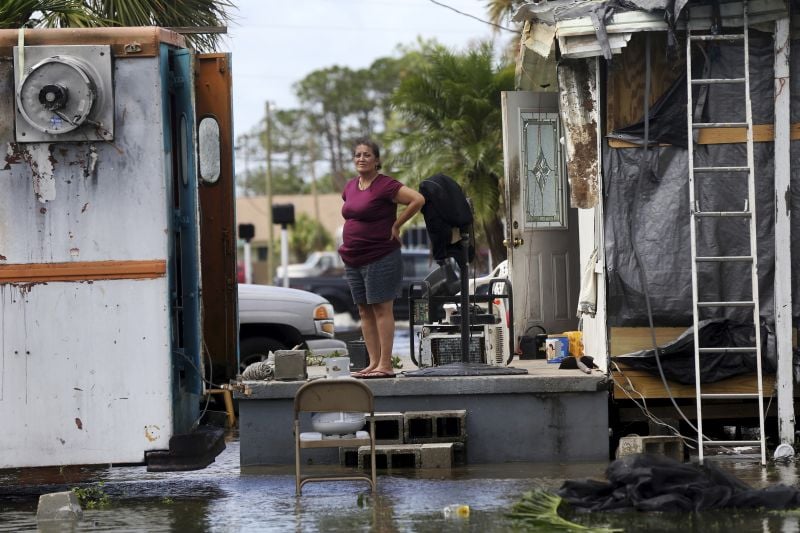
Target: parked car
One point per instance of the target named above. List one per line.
(276, 318)
(317, 264)
(416, 265)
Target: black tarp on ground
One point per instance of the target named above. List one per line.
(652, 212)
(655, 483)
(677, 357)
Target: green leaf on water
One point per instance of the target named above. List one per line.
(538, 509)
(92, 497)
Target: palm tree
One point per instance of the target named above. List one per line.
(454, 126)
(498, 10)
(96, 13)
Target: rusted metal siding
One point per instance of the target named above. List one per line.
(85, 370)
(578, 81)
(125, 42)
(217, 212)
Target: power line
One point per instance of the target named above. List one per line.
(327, 27)
(474, 17)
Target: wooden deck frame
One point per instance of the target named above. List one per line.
(632, 384)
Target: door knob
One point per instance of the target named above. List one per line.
(515, 242)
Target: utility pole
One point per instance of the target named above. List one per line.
(246, 138)
(268, 146)
(313, 159)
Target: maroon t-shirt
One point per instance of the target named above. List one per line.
(368, 219)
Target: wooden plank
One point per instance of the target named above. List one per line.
(633, 384)
(624, 340)
(82, 271)
(722, 411)
(625, 87)
(761, 133)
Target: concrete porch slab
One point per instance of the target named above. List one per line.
(545, 415)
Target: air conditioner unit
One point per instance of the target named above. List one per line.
(488, 344)
(437, 348)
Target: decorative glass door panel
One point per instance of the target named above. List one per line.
(545, 193)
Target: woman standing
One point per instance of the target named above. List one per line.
(371, 251)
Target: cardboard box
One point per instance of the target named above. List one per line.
(290, 365)
(557, 349)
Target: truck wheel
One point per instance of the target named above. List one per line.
(255, 349)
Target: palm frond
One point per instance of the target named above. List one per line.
(45, 13)
(538, 509)
(95, 13)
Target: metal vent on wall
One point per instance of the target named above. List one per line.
(63, 93)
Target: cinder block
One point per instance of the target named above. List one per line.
(348, 457)
(424, 427)
(389, 428)
(392, 456)
(437, 455)
(669, 446)
(59, 506)
(459, 453)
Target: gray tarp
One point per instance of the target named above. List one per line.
(654, 210)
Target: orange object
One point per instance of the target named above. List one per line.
(575, 342)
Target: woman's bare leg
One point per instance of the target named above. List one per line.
(369, 330)
(384, 320)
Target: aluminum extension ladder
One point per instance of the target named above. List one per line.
(707, 175)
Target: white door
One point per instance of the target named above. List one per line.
(542, 230)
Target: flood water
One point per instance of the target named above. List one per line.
(225, 498)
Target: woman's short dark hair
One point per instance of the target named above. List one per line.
(372, 145)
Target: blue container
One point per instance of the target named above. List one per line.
(557, 349)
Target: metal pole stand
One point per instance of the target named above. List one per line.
(465, 367)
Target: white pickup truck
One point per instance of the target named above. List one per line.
(317, 264)
(276, 318)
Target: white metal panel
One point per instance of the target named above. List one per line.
(590, 232)
(575, 35)
(587, 46)
(85, 374)
(783, 237)
(104, 196)
(625, 22)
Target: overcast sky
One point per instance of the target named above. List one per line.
(275, 43)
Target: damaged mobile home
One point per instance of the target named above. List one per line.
(117, 178)
(653, 140)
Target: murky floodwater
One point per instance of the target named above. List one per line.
(224, 498)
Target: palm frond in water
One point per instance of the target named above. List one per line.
(538, 509)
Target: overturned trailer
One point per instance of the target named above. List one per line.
(117, 179)
(613, 79)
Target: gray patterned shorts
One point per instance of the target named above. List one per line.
(378, 281)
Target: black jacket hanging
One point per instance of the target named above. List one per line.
(445, 208)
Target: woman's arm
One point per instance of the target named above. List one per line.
(413, 202)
